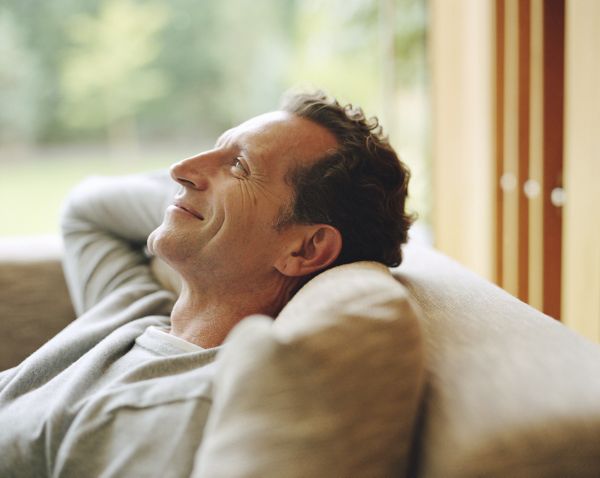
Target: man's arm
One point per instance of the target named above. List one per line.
(105, 223)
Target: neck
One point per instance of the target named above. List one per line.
(205, 316)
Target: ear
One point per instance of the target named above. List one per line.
(316, 247)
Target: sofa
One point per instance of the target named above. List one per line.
(442, 374)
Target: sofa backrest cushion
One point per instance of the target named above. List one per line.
(34, 300)
(510, 391)
(330, 388)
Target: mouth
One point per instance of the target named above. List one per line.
(188, 210)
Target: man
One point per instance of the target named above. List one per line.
(126, 388)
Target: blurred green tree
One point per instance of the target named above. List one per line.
(19, 85)
(255, 52)
(227, 60)
(176, 73)
(107, 72)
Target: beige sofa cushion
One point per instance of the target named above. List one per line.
(510, 392)
(34, 301)
(331, 388)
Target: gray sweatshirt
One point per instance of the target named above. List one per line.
(112, 394)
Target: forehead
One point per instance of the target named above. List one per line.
(280, 138)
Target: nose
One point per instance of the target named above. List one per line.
(192, 172)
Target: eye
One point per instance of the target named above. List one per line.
(240, 166)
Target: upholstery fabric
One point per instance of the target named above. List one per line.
(34, 301)
(331, 388)
(510, 391)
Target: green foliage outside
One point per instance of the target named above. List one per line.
(111, 86)
(105, 83)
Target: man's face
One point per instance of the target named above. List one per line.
(222, 220)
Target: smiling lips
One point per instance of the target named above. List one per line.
(189, 210)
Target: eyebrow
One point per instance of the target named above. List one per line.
(220, 138)
(247, 154)
(248, 157)
(236, 144)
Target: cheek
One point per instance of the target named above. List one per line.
(238, 215)
(247, 229)
(248, 219)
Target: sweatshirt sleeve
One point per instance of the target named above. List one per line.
(105, 223)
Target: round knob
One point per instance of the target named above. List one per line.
(558, 197)
(531, 188)
(508, 182)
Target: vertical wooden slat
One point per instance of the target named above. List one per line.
(499, 141)
(581, 248)
(460, 50)
(524, 38)
(536, 159)
(554, 20)
(510, 160)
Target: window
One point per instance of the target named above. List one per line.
(116, 86)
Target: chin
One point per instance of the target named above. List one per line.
(151, 241)
(169, 246)
(159, 243)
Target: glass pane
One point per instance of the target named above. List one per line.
(115, 86)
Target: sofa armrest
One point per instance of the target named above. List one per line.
(34, 300)
(510, 391)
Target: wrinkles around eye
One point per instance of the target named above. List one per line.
(260, 186)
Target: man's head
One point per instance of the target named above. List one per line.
(221, 230)
(360, 187)
(283, 196)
